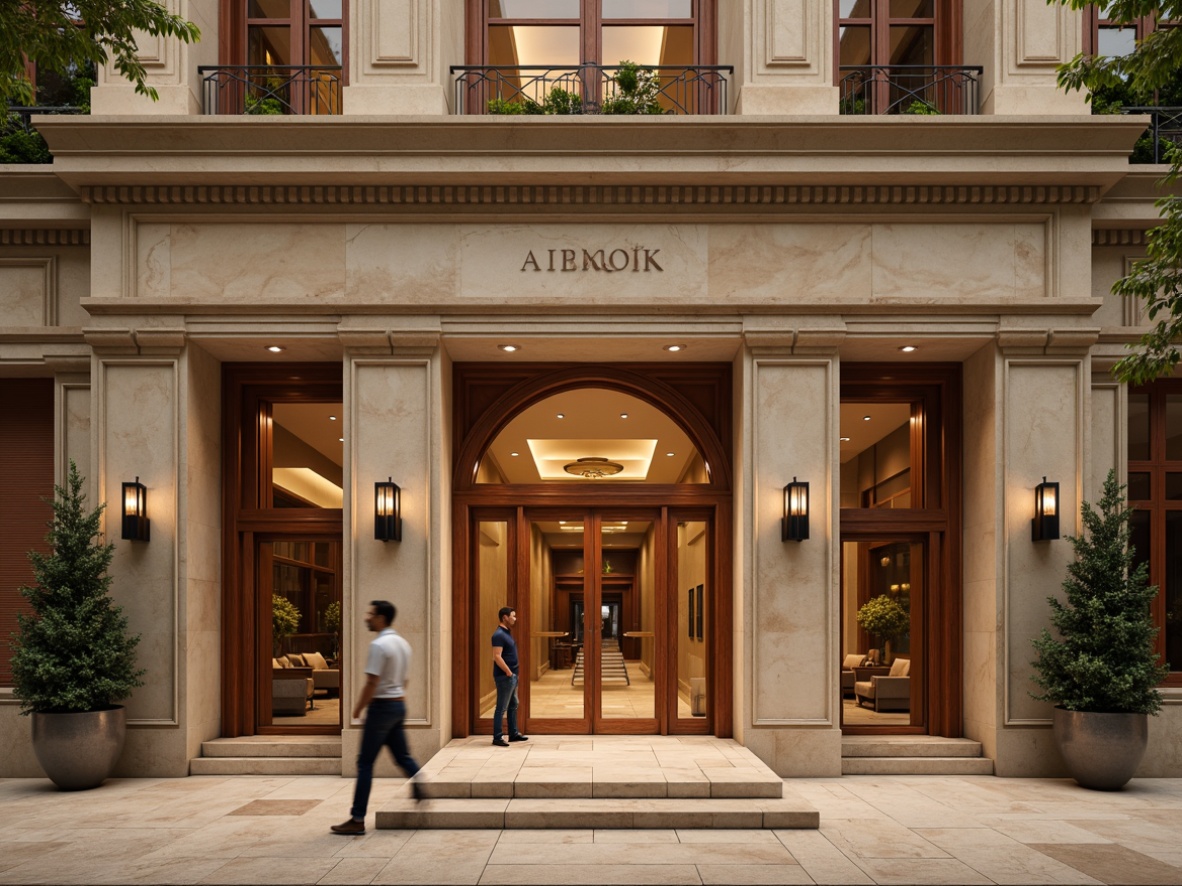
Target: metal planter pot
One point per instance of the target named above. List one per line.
(79, 751)
(1102, 751)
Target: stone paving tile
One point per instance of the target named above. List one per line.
(755, 874)
(873, 838)
(820, 859)
(913, 872)
(591, 875)
(1002, 859)
(249, 871)
(1116, 865)
(349, 871)
(430, 873)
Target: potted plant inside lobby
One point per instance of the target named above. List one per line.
(1102, 672)
(73, 657)
(885, 618)
(285, 621)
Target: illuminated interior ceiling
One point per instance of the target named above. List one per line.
(617, 534)
(884, 418)
(308, 452)
(592, 425)
(309, 485)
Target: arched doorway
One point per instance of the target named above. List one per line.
(595, 500)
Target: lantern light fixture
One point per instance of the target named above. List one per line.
(1045, 525)
(795, 523)
(135, 511)
(387, 511)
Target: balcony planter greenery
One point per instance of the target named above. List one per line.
(633, 90)
(884, 617)
(1102, 672)
(73, 658)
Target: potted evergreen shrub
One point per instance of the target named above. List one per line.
(73, 657)
(285, 621)
(1102, 672)
(884, 617)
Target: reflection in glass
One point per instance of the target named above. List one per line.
(533, 9)
(911, 9)
(912, 45)
(692, 591)
(1138, 427)
(627, 620)
(876, 459)
(1173, 590)
(325, 46)
(330, 9)
(1116, 41)
(855, 8)
(648, 45)
(306, 455)
(533, 45)
(647, 9)
(268, 9)
(1173, 487)
(556, 638)
(492, 588)
(1174, 427)
(855, 45)
(1139, 489)
(269, 46)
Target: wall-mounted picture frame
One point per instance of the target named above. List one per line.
(701, 611)
(690, 610)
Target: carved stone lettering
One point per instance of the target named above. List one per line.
(640, 259)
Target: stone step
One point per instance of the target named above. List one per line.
(572, 782)
(916, 766)
(265, 766)
(908, 746)
(510, 814)
(273, 746)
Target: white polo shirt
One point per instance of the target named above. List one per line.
(389, 661)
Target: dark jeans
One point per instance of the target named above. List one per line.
(506, 700)
(383, 726)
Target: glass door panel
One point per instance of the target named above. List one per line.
(627, 619)
(555, 677)
(494, 558)
(883, 635)
(692, 593)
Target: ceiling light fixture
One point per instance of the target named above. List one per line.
(274, 349)
(515, 454)
(509, 349)
(623, 415)
(561, 415)
(340, 439)
(907, 349)
(845, 439)
(669, 455)
(675, 348)
(332, 418)
(865, 418)
(593, 467)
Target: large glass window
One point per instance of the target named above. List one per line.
(295, 53)
(1155, 492)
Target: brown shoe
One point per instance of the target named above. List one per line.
(352, 826)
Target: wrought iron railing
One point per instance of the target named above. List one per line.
(910, 89)
(587, 89)
(271, 89)
(26, 112)
(1165, 129)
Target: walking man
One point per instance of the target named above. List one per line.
(504, 649)
(383, 699)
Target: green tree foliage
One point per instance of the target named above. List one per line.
(1150, 75)
(557, 101)
(285, 621)
(1103, 661)
(636, 90)
(73, 654)
(59, 36)
(884, 617)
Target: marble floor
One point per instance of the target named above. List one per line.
(324, 712)
(854, 714)
(553, 697)
(874, 829)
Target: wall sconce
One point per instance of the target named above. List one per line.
(1045, 525)
(387, 511)
(795, 525)
(136, 526)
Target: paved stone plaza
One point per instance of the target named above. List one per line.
(874, 829)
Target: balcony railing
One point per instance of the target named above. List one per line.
(1165, 129)
(910, 89)
(691, 89)
(271, 89)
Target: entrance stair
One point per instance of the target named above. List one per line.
(912, 755)
(599, 781)
(269, 755)
(611, 668)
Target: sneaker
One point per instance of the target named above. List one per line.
(500, 743)
(518, 737)
(352, 826)
(419, 792)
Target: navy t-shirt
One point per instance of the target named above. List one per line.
(504, 639)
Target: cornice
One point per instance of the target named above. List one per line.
(502, 196)
(1119, 236)
(44, 237)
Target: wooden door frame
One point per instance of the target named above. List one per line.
(244, 517)
(939, 387)
(696, 396)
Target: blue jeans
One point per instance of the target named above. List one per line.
(383, 726)
(506, 700)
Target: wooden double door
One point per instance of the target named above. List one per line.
(616, 614)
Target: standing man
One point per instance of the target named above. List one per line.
(383, 699)
(505, 675)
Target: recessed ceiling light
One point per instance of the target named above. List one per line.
(865, 418)
(623, 415)
(274, 349)
(332, 418)
(907, 349)
(340, 439)
(845, 439)
(515, 454)
(669, 455)
(509, 349)
(675, 348)
(560, 415)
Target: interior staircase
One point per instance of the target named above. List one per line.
(269, 755)
(611, 668)
(575, 781)
(912, 755)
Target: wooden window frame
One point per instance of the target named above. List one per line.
(1158, 506)
(948, 35)
(234, 23)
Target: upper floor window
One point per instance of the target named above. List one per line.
(555, 33)
(886, 32)
(1107, 36)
